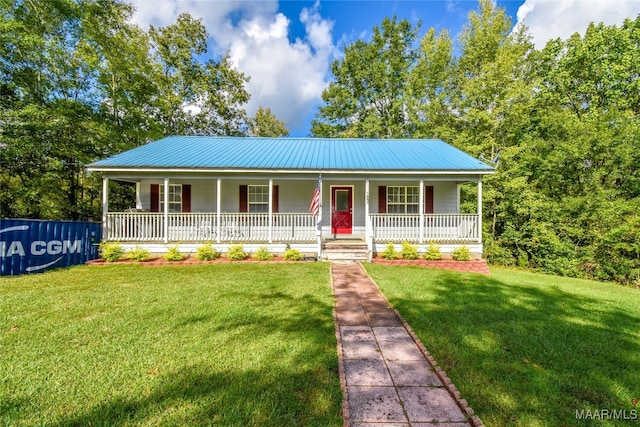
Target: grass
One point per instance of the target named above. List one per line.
(225, 344)
(526, 349)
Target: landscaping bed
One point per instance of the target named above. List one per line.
(160, 261)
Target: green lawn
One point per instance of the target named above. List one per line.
(526, 349)
(225, 344)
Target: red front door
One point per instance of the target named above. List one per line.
(341, 210)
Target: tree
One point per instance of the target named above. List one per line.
(80, 82)
(50, 121)
(194, 97)
(431, 87)
(370, 96)
(265, 123)
(566, 193)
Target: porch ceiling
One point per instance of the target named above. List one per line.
(294, 155)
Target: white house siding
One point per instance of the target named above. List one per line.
(445, 194)
(445, 197)
(203, 193)
(295, 195)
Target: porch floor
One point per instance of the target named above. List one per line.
(386, 373)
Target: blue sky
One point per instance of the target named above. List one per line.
(356, 17)
(286, 47)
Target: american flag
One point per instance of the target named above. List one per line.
(314, 207)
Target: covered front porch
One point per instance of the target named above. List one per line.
(375, 211)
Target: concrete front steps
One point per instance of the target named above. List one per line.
(354, 250)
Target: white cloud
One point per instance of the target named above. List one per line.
(550, 19)
(286, 76)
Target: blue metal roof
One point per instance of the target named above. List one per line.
(302, 154)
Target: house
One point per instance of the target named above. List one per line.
(258, 191)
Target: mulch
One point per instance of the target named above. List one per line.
(475, 266)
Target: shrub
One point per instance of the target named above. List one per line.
(236, 253)
(111, 251)
(263, 254)
(206, 253)
(433, 253)
(390, 252)
(139, 254)
(409, 251)
(462, 254)
(292, 254)
(173, 254)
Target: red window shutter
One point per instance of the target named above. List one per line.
(428, 199)
(154, 205)
(382, 199)
(274, 201)
(186, 197)
(244, 199)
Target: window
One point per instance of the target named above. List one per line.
(175, 198)
(403, 200)
(258, 198)
(255, 198)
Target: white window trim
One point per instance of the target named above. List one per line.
(173, 203)
(403, 203)
(264, 204)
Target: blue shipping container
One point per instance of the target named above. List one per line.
(33, 246)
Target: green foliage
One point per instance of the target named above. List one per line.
(291, 254)
(618, 254)
(372, 84)
(111, 251)
(409, 251)
(461, 254)
(262, 254)
(236, 253)
(207, 252)
(433, 252)
(138, 254)
(390, 252)
(173, 254)
(82, 75)
(265, 123)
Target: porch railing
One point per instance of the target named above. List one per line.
(442, 228)
(188, 227)
(285, 227)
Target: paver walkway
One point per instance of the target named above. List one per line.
(389, 377)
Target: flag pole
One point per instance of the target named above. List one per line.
(319, 222)
(320, 211)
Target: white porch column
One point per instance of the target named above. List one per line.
(368, 232)
(421, 210)
(270, 210)
(218, 207)
(105, 206)
(319, 221)
(138, 199)
(480, 209)
(166, 210)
